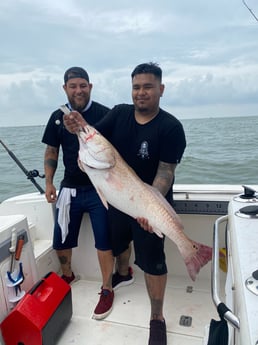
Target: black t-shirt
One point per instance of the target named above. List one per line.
(144, 146)
(56, 135)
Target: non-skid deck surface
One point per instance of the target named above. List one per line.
(128, 323)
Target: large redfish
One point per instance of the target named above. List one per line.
(118, 185)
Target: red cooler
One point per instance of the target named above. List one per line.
(41, 316)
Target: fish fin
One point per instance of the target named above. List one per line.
(201, 256)
(102, 198)
(88, 159)
(80, 165)
(158, 233)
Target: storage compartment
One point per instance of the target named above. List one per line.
(41, 316)
(25, 268)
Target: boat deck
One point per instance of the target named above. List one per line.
(128, 322)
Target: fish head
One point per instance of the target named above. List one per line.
(95, 151)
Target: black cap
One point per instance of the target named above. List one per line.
(75, 72)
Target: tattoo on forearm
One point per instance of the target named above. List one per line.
(51, 163)
(164, 177)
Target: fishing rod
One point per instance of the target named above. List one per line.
(250, 10)
(30, 174)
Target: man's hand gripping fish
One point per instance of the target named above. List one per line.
(118, 185)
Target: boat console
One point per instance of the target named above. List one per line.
(242, 274)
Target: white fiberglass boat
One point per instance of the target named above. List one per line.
(222, 216)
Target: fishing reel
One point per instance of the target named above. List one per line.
(30, 174)
(34, 173)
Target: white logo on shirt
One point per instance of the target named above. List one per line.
(143, 151)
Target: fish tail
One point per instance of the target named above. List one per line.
(200, 256)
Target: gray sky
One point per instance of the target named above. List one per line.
(207, 50)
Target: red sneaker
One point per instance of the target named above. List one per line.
(68, 280)
(105, 304)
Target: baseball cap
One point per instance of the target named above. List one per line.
(76, 72)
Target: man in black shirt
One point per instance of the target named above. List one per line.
(77, 194)
(152, 142)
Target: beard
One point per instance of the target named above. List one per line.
(141, 109)
(79, 106)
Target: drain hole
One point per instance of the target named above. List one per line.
(189, 289)
(185, 321)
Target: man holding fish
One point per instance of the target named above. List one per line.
(133, 172)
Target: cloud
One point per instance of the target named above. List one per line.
(207, 50)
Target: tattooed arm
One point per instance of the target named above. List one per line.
(164, 177)
(50, 165)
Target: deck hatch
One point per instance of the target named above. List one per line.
(185, 321)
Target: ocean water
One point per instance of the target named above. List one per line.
(219, 151)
